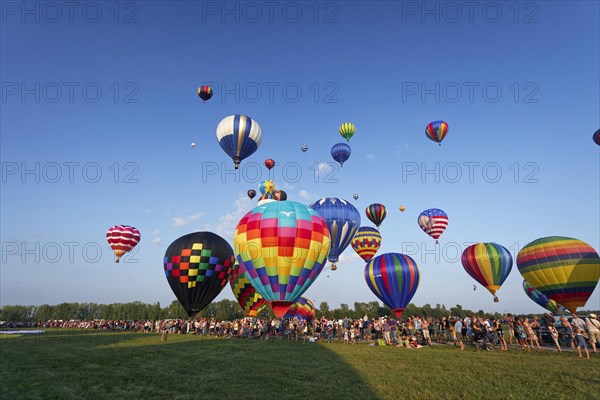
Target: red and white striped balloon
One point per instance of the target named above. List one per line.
(122, 238)
(433, 222)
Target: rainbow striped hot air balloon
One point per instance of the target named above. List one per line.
(541, 299)
(282, 248)
(366, 242)
(301, 309)
(489, 264)
(376, 213)
(251, 302)
(394, 279)
(564, 269)
(433, 222)
(437, 131)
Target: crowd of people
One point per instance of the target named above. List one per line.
(412, 332)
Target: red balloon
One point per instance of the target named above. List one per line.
(269, 163)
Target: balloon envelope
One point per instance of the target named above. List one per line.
(433, 222)
(269, 163)
(122, 238)
(487, 263)
(347, 130)
(366, 242)
(342, 219)
(564, 269)
(251, 193)
(198, 266)
(266, 187)
(596, 137)
(301, 309)
(541, 299)
(394, 279)
(205, 92)
(304, 148)
(251, 302)
(437, 131)
(239, 136)
(376, 213)
(281, 247)
(341, 153)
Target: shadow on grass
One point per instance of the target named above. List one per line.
(139, 366)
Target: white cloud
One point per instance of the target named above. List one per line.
(180, 222)
(370, 156)
(401, 148)
(228, 222)
(349, 257)
(308, 196)
(157, 240)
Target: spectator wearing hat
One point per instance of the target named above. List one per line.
(593, 326)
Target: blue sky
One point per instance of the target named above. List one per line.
(389, 68)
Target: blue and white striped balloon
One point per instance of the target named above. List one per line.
(342, 219)
(239, 136)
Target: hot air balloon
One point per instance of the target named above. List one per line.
(341, 153)
(122, 238)
(266, 187)
(193, 145)
(282, 248)
(366, 242)
(355, 196)
(564, 269)
(541, 299)
(402, 208)
(280, 195)
(239, 136)
(301, 309)
(394, 279)
(198, 266)
(205, 93)
(489, 264)
(347, 130)
(269, 163)
(268, 197)
(251, 302)
(433, 222)
(304, 148)
(596, 137)
(251, 193)
(342, 219)
(376, 213)
(437, 131)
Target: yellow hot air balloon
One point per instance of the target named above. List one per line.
(402, 208)
(564, 269)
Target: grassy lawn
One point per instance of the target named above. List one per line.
(75, 365)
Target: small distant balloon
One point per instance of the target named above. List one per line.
(304, 148)
(437, 131)
(341, 153)
(193, 145)
(596, 137)
(347, 130)
(266, 187)
(251, 193)
(355, 196)
(269, 163)
(205, 93)
(402, 208)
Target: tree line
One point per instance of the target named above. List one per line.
(226, 310)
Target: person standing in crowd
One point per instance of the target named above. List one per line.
(426, 335)
(577, 322)
(568, 331)
(467, 325)
(458, 336)
(497, 329)
(531, 336)
(521, 334)
(387, 332)
(580, 340)
(511, 328)
(593, 326)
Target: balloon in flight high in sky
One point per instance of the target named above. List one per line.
(122, 238)
(239, 136)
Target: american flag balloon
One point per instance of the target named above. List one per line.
(122, 238)
(433, 222)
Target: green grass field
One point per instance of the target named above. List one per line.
(76, 365)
